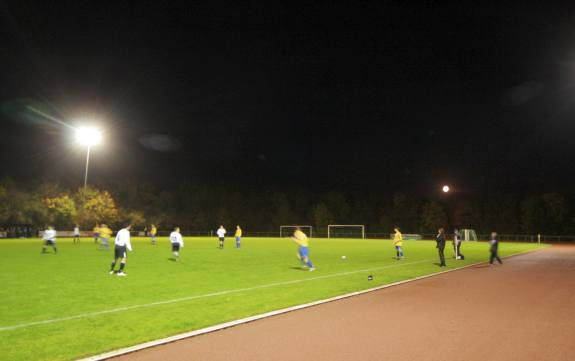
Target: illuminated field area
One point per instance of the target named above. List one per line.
(66, 305)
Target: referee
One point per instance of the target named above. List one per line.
(121, 243)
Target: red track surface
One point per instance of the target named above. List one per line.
(522, 310)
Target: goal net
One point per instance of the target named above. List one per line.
(287, 231)
(346, 231)
(468, 235)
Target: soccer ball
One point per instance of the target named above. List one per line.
(343, 257)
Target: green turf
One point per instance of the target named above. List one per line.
(264, 275)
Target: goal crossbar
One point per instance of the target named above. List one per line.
(294, 226)
(330, 226)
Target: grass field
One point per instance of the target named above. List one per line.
(65, 306)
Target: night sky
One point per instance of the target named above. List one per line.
(396, 96)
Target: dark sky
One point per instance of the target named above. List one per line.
(355, 95)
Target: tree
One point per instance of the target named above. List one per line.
(321, 217)
(61, 210)
(96, 206)
(433, 216)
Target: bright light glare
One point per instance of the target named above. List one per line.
(445, 189)
(88, 136)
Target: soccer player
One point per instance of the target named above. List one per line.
(303, 251)
(76, 234)
(221, 235)
(494, 248)
(457, 244)
(96, 231)
(398, 243)
(121, 243)
(153, 232)
(49, 238)
(238, 236)
(177, 242)
(105, 234)
(440, 239)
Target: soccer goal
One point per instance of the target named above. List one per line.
(468, 235)
(286, 231)
(345, 230)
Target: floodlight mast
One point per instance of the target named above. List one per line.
(87, 137)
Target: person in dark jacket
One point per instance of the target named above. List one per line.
(440, 239)
(494, 248)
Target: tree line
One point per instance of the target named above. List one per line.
(203, 207)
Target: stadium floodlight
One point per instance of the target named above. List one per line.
(88, 137)
(445, 189)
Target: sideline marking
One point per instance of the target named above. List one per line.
(222, 326)
(189, 298)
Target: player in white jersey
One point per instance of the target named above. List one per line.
(121, 243)
(177, 242)
(76, 234)
(221, 235)
(49, 238)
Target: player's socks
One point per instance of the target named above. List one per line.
(55, 250)
(122, 265)
(310, 265)
(113, 265)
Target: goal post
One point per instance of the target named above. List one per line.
(468, 235)
(331, 228)
(287, 230)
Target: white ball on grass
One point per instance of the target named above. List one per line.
(343, 257)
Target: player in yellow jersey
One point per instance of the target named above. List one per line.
(238, 236)
(303, 251)
(398, 243)
(105, 234)
(153, 233)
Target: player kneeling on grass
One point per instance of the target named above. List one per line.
(303, 252)
(177, 242)
(49, 238)
(398, 243)
(221, 235)
(122, 243)
(105, 234)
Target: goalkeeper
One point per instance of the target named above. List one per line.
(303, 252)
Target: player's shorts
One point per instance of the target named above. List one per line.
(175, 247)
(303, 251)
(96, 235)
(398, 248)
(238, 239)
(120, 252)
(221, 239)
(104, 240)
(50, 242)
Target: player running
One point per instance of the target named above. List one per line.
(96, 231)
(153, 233)
(398, 243)
(238, 236)
(221, 235)
(49, 238)
(177, 242)
(76, 234)
(121, 243)
(105, 235)
(303, 251)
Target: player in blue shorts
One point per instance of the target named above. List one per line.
(303, 252)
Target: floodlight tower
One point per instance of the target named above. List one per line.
(88, 137)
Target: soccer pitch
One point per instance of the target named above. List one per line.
(65, 306)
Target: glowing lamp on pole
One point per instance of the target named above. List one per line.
(88, 137)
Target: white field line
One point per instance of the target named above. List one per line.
(190, 298)
(225, 325)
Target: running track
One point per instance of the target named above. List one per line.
(522, 310)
